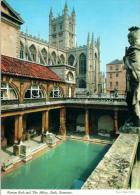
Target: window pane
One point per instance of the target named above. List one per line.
(28, 94)
(4, 94)
(35, 94)
(3, 85)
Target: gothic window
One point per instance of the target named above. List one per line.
(56, 93)
(7, 92)
(110, 76)
(33, 52)
(110, 84)
(61, 26)
(49, 62)
(34, 92)
(54, 57)
(21, 51)
(71, 60)
(82, 64)
(62, 59)
(82, 83)
(54, 36)
(44, 54)
(54, 28)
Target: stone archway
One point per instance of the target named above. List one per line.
(80, 123)
(105, 124)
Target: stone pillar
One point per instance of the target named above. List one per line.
(87, 123)
(2, 128)
(115, 121)
(63, 121)
(24, 123)
(18, 128)
(45, 121)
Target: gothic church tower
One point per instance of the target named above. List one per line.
(62, 29)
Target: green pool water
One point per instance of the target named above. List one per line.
(65, 167)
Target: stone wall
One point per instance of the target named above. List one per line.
(114, 170)
(9, 39)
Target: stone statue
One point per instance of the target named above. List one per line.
(132, 65)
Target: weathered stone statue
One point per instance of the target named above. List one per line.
(132, 65)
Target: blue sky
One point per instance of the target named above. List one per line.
(109, 19)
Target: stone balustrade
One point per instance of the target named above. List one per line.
(64, 100)
(114, 170)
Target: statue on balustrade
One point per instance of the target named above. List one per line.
(132, 65)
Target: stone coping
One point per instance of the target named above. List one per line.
(87, 101)
(114, 170)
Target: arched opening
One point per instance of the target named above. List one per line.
(34, 92)
(82, 83)
(33, 52)
(7, 92)
(62, 58)
(82, 64)
(56, 93)
(21, 50)
(70, 76)
(80, 123)
(44, 54)
(71, 60)
(54, 58)
(105, 124)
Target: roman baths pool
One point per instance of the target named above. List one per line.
(66, 166)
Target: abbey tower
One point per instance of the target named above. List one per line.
(62, 29)
(61, 53)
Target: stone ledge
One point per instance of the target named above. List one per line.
(114, 170)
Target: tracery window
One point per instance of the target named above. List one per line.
(71, 60)
(33, 52)
(34, 92)
(56, 93)
(54, 57)
(7, 92)
(62, 59)
(44, 54)
(82, 83)
(82, 64)
(21, 51)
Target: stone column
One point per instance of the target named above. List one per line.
(63, 121)
(115, 121)
(87, 123)
(45, 121)
(24, 124)
(18, 128)
(2, 127)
